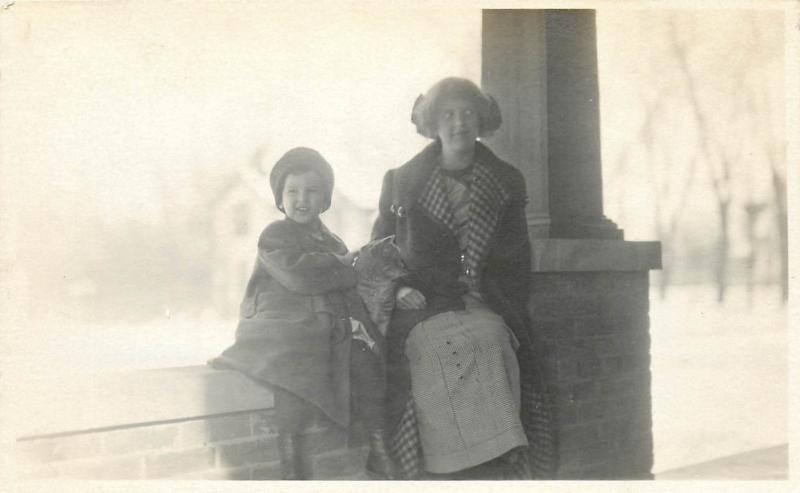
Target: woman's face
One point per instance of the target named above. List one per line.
(457, 125)
(303, 197)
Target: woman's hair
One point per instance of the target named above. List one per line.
(297, 161)
(427, 106)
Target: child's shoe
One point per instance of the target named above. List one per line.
(291, 455)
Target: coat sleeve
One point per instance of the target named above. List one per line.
(511, 264)
(385, 223)
(305, 273)
(517, 265)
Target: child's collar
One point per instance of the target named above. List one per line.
(315, 228)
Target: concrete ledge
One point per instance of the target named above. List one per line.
(122, 399)
(574, 255)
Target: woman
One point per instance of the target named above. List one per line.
(466, 399)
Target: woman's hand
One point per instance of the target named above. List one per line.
(410, 299)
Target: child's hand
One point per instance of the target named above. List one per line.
(410, 299)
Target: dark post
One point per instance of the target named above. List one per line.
(588, 299)
(514, 71)
(573, 128)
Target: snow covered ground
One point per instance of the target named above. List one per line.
(719, 375)
(719, 371)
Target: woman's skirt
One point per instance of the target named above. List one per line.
(465, 386)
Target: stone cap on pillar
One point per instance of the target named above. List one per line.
(591, 255)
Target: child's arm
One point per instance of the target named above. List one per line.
(301, 272)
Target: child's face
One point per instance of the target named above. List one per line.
(303, 197)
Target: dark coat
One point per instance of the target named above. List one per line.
(432, 254)
(294, 329)
(431, 250)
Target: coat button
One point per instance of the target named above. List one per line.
(458, 365)
(447, 342)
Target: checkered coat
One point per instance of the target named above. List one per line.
(413, 207)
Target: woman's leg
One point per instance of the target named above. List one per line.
(293, 415)
(368, 390)
(465, 387)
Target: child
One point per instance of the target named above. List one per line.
(295, 332)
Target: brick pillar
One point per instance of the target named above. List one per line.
(589, 289)
(594, 331)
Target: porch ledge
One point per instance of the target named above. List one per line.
(74, 404)
(131, 398)
(579, 255)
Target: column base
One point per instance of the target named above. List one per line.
(587, 227)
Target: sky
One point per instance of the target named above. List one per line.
(732, 54)
(111, 110)
(108, 108)
(110, 102)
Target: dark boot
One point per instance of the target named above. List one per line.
(290, 450)
(379, 462)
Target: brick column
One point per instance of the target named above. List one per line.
(594, 331)
(589, 289)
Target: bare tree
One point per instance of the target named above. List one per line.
(781, 218)
(718, 154)
(753, 210)
(705, 103)
(667, 184)
(764, 101)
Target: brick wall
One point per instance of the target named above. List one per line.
(234, 446)
(593, 327)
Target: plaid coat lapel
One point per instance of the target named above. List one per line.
(488, 200)
(433, 199)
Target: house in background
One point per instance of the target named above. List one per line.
(238, 213)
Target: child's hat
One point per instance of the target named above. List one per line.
(299, 160)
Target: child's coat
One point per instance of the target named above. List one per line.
(294, 330)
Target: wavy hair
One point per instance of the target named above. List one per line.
(427, 106)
